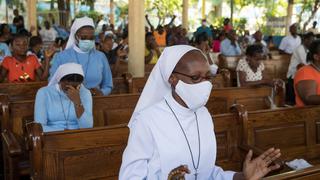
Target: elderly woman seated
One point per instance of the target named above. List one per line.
(65, 103)
(251, 70)
(307, 78)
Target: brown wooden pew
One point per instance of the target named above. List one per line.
(29, 90)
(98, 151)
(94, 153)
(122, 85)
(312, 173)
(117, 109)
(21, 91)
(296, 131)
(220, 80)
(123, 68)
(73, 151)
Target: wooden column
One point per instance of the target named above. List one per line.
(32, 15)
(203, 9)
(136, 38)
(185, 7)
(231, 15)
(289, 15)
(218, 10)
(111, 12)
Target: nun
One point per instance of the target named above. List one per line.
(65, 103)
(171, 126)
(80, 49)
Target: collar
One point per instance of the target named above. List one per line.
(176, 107)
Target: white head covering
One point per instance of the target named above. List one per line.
(65, 69)
(157, 85)
(77, 24)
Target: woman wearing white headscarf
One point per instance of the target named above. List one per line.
(65, 103)
(171, 126)
(81, 49)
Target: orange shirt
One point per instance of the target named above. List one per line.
(16, 68)
(306, 73)
(160, 38)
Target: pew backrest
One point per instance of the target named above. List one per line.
(296, 131)
(94, 153)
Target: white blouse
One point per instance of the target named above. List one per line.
(243, 66)
(157, 145)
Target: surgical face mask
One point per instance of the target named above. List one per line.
(86, 45)
(194, 95)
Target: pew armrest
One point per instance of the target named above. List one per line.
(11, 143)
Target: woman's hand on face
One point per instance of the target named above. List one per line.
(254, 169)
(74, 94)
(178, 173)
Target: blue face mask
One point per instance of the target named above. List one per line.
(86, 45)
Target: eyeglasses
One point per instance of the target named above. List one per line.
(196, 78)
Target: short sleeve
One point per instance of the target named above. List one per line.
(283, 43)
(6, 62)
(262, 67)
(241, 65)
(305, 73)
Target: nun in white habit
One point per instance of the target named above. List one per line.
(171, 126)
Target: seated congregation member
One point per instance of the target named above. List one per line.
(35, 47)
(307, 78)
(21, 67)
(258, 39)
(171, 126)
(291, 42)
(298, 59)
(114, 55)
(152, 51)
(81, 49)
(216, 44)
(4, 51)
(229, 46)
(250, 69)
(65, 103)
(202, 43)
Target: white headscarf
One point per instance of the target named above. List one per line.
(77, 24)
(65, 69)
(157, 85)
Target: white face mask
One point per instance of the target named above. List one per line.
(194, 95)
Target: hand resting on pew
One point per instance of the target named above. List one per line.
(253, 169)
(96, 92)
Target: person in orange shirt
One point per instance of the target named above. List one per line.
(307, 79)
(21, 67)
